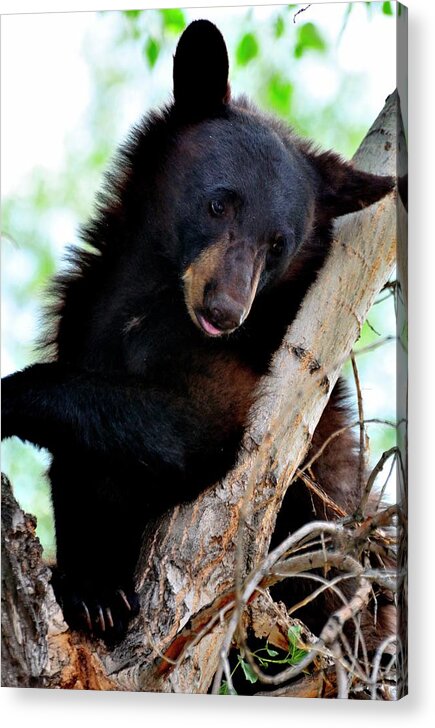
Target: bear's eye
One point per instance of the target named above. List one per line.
(277, 246)
(217, 208)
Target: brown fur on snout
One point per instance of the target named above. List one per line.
(203, 269)
(213, 265)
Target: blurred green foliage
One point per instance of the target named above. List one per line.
(387, 8)
(129, 52)
(247, 49)
(309, 39)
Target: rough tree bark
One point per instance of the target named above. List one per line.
(197, 556)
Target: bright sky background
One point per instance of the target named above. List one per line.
(45, 83)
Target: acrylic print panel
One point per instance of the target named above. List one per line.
(211, 432)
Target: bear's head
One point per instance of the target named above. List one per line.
(245, 195)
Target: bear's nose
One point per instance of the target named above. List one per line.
(225, 313)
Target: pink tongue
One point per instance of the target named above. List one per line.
(208, 327)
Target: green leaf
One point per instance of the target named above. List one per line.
(293, 634)
(174, 20)
(151, 51)
(132, 14)
(223, 690)
(295, 653)
(387, 9)
(279, 26)
(280, 94)
(247, 49)
(272, 653)
(248, 671)
(226, 690)
(308, 39)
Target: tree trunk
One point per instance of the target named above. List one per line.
(197, 560)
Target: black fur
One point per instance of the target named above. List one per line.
(140, 407)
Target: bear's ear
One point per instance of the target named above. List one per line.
(343, 188)
(201, 70)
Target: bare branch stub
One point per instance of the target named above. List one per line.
(301, 10)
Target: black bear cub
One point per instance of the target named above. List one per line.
(213, 223)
